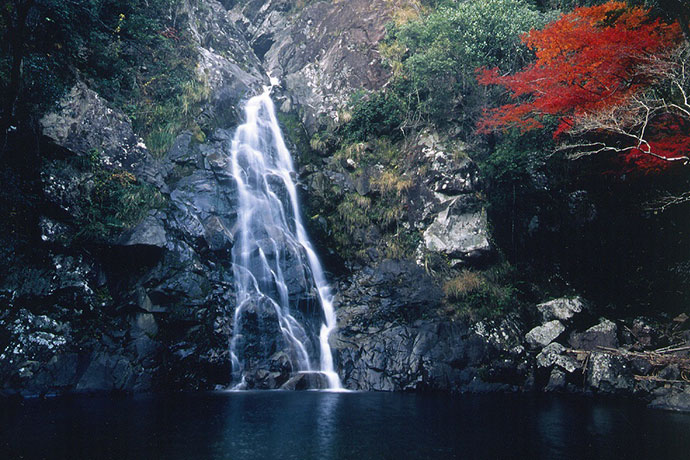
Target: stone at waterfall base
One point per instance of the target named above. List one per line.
(307, 381)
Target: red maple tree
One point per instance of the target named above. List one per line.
(599, 70)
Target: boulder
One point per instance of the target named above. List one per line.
(557, 380)
(673, 400)
(609, 374)
(603, 334)
(460, 231)
(84, 123)
(543, 335)
(554, 355)
(562, 309)
(504, 334)
(451, 171)
(149, 232)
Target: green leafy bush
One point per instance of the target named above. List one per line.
(433, 60)
(374, 115)
(115, 202)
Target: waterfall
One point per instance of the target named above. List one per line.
(281, 289)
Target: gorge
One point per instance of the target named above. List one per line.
(204, 195)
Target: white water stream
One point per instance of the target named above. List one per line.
(272, 255)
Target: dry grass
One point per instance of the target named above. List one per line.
(353, 211)
(389, 181)
(465, 283)
(403, 11)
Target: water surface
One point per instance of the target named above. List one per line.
(314, 425)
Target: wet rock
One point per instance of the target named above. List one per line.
(217, 235)
(557, 380)
(229, 85)
(426, 354)
(562, 309)
(321, 55)
(200, 198)
(604, 334)
(106, 372)
(391, 290)
(407, 358)
(543, 335)
(306, 381)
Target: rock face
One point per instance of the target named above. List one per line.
(459, 225)
(430, 355)
(321, 53)
(227, 64)
(147, 309)
(84, 124)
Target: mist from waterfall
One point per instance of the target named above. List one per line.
(280, 285)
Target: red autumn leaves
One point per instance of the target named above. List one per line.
(598, 69)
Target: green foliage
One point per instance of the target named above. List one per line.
(145, 63)
(374, 114)
(377, 220)
(135, 53)
(442, 50)
(115, 202)
(514, 158)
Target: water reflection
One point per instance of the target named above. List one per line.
(337, 426)
(327, 424)
(554, 428)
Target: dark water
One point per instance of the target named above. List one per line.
(311, 425)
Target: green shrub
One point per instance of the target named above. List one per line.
(433, 59)
(375, 114)
(116, 201)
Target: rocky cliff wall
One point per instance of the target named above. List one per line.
(149, 307)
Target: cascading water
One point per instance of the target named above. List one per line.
(280, 285)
